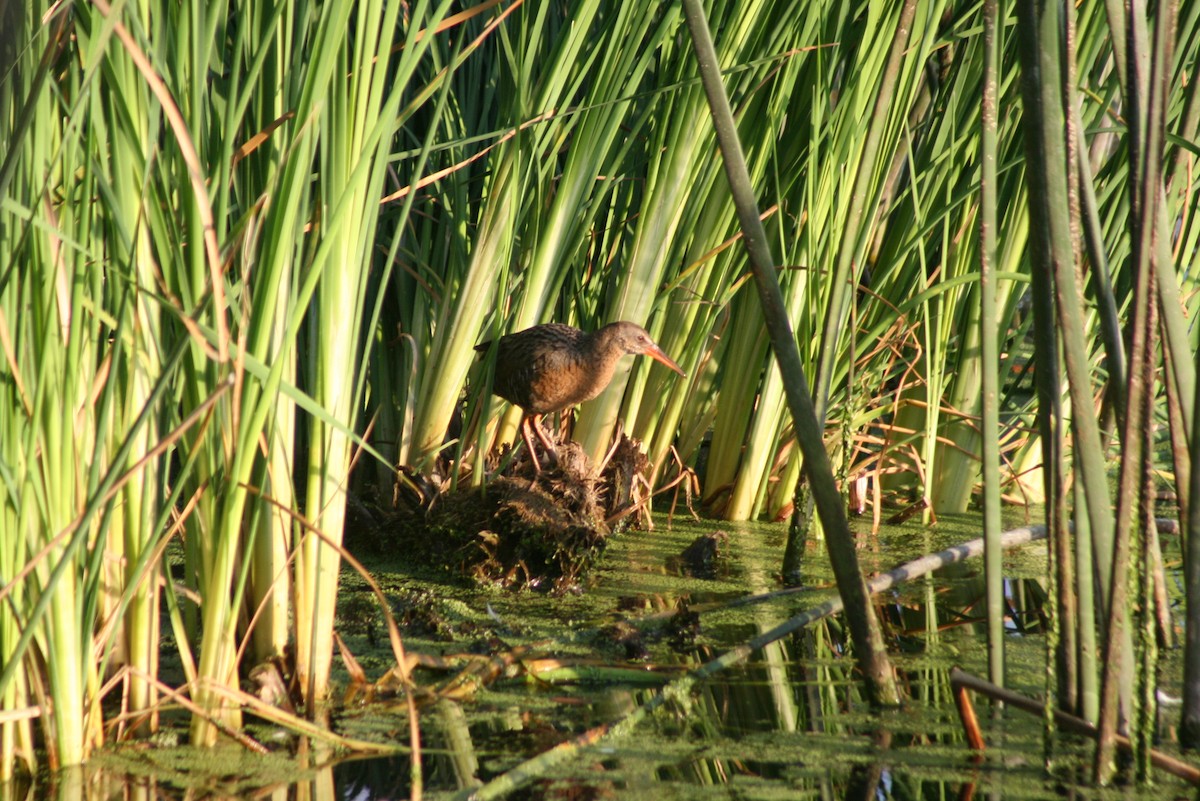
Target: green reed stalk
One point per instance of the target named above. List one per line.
(1190, 722)
(989, 336)
(1036, 29)
(1079, 670)
(1189, 729)
(1145, 86)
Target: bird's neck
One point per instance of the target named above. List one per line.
(602, 352)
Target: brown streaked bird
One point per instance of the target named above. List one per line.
(550, 367)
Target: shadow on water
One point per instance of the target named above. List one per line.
(789, 723)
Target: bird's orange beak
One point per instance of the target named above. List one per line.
(657, 353)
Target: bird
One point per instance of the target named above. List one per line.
(550, 367)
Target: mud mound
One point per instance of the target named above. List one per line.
(523, 529)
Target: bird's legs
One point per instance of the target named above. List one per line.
(534, 421)
(537, 467)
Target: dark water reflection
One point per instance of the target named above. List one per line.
(790, 723)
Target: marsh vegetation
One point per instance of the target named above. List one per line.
(247, 251)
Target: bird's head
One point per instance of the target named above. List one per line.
(632, 338)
